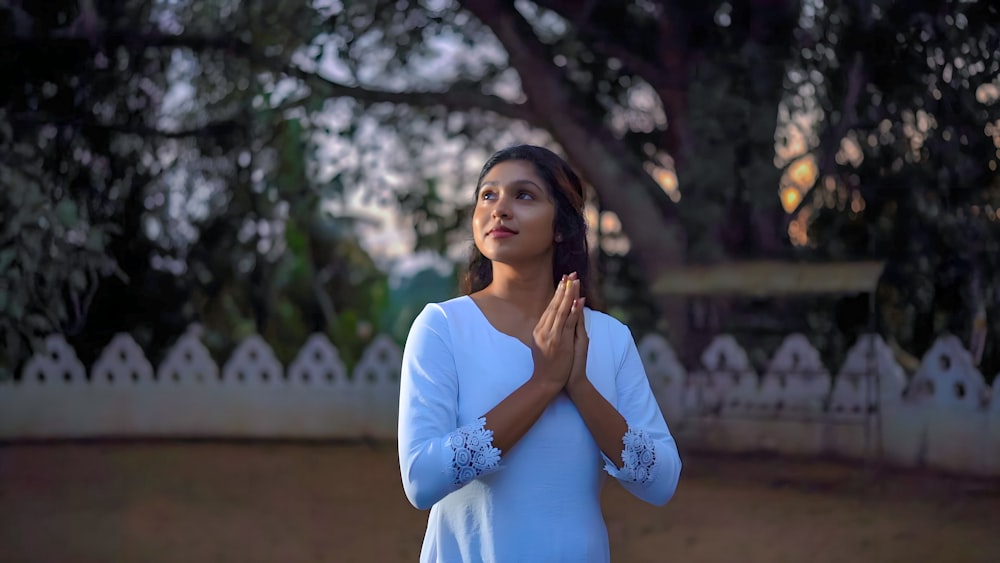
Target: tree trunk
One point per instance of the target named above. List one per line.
(622, 185)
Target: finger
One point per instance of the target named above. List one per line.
(573, 322)
(577, 319)
(581, 323)
(574, 297)
(581, 343)
(572, 292)
(559, 323)
(574, 288)
(548, 315)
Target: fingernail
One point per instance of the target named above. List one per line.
(582, 300)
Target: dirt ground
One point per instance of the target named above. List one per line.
(198, 502)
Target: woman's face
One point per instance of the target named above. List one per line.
(514, 215)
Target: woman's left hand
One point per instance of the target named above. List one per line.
(581, 344)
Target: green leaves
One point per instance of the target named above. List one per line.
(49, 252)
(7, 256)
(67, 213)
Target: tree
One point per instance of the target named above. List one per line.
(263, 113)
(622, 88)
(597, 90)
(153, 181)
(906, 136)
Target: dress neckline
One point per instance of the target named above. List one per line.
(490, 324)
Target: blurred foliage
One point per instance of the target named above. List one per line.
(197, 161)
(912, 89)
(412, 292)
(154, 175)
(449, 82)
(51, 253)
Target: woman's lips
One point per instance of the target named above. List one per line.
(501, 233)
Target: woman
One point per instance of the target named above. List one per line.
(514, 395)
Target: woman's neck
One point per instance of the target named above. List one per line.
(528, 289)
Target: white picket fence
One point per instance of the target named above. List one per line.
(944, 416)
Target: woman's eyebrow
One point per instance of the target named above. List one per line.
(493, 183)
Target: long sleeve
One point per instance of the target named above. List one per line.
(436, 456)
(652, 464)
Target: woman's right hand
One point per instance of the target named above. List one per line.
(552, 349)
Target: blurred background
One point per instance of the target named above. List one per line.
(295, 167)
(289, 167)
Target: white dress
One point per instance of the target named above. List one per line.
(539, 501)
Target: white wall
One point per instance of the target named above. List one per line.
(944, 417)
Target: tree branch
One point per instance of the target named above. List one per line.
(586, 140)
(615, 172)
(115, 38)
(39, 119)
(666, 74)
(833, 135)
(456, 99)
(856, 81)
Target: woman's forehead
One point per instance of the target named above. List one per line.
(512, 171)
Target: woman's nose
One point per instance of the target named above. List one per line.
(501, 209)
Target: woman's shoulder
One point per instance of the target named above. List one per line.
(439, 318)
(443, 311)
(601, 319)
(453, 306)
(607, 328)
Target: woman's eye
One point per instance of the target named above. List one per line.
(491, 195)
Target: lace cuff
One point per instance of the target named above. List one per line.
(473, 452)
(639, 456)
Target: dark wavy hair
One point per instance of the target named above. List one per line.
(571, 253)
